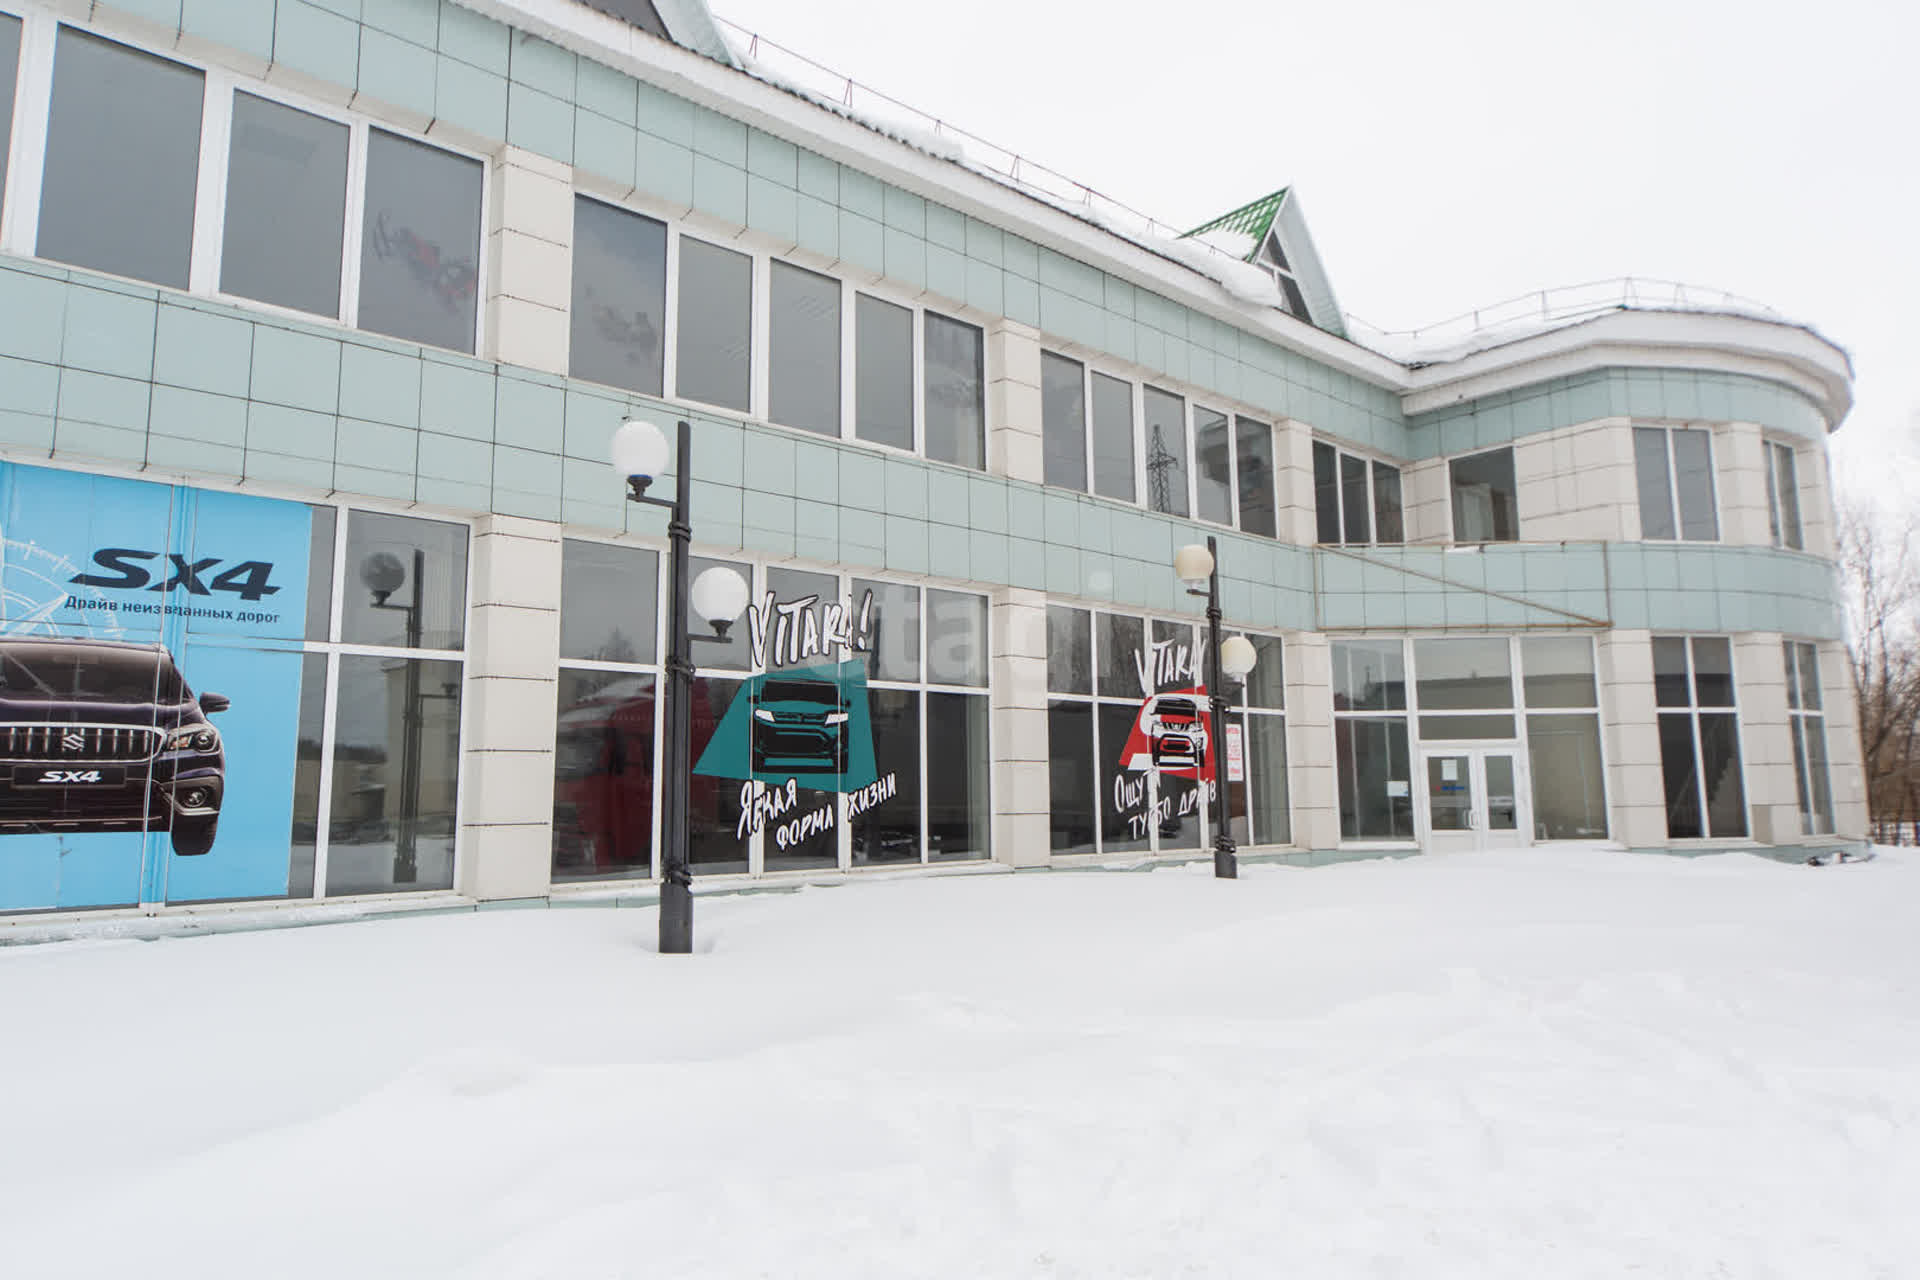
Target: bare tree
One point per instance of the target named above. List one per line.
(1882, 583)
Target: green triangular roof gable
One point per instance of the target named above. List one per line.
(1252, 220)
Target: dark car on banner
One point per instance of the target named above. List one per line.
(799, 726)
(100, 736)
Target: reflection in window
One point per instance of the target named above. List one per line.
(956, 638)
(715, 334)
(1253, 443)
(1266, 766)
(1807, 723)
(1113, 462)
(321, 522)
(1485, 506)
(1699, 748)
(1063, 421)
(957, 764)
(714, 844)
(1166, 436)
(1326, 493)
(1213, 466)
(1070, 767)
(1558, 671)
(803, 375)
(306, 774)
(123, 159)
(1387, 521)
(286, 207)
(1569, 793)
(896, 628)
(419, 274)
(1069, 650)
(1463, 674)
(603, 775)
(1783, 498)
(1374, 778)
(889, 832)
(1369, 675)
(1674, 472)
(407, 584)
(611, 607)
(619, 297)
(956, 413)
(882, 372)
(396, 768)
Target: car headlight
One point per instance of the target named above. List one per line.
(761, 713)
(201, 738)
(836, 717)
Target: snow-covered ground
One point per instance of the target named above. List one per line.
(1548, 1064)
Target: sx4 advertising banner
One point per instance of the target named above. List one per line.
(149, 689)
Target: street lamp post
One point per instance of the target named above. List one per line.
(720, 595)
(1232, 659)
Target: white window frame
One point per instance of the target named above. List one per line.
(1776, 508)
(1673, 487)
(1692, 710)
(1237, 714)
(1802, 722)
(1518, 533)
(20, 218)
(1340, 495)
(1521, 743)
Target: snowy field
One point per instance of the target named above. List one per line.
(1544, 1064)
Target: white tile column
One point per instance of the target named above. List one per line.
(1293, 463)
(1636, 803)
(1022, 778)
(1310, 763)
(529, 260)
(1014, 447)
(513, 654)
(1740, 477)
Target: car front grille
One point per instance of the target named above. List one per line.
(77, 743)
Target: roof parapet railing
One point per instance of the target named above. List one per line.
(1550, 307)
(785, 68)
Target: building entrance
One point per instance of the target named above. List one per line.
(1475, 798)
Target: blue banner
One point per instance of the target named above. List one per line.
(149, 689)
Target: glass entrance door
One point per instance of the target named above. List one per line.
(1475, 799)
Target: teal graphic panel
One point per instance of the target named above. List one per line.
(807, 724)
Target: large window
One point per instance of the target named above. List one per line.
(379, 744)
(955, 410)
(1485, 505)
(1674, 467)
(924, 650)
(1783, 497)
(619, 315)
(883, 372)
(1166, 450)
(803, 375)
(715, 331)
(286, 213)
(1563, 738)
(123, 161)
(1370, 740)
(1356, 500)
(1808, 724)
(420, 243)
(1699, 737)
(265, 215)
(1063, 421)
(1088, 433)
(1117, 683)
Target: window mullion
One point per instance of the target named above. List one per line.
(350, 243)
(210, 190)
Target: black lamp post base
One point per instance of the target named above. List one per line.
(676, 919)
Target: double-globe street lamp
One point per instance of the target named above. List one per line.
(1230, 659)
(719, 595)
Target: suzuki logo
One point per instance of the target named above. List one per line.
(73, 741)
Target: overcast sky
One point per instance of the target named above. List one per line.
(1453, 155)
